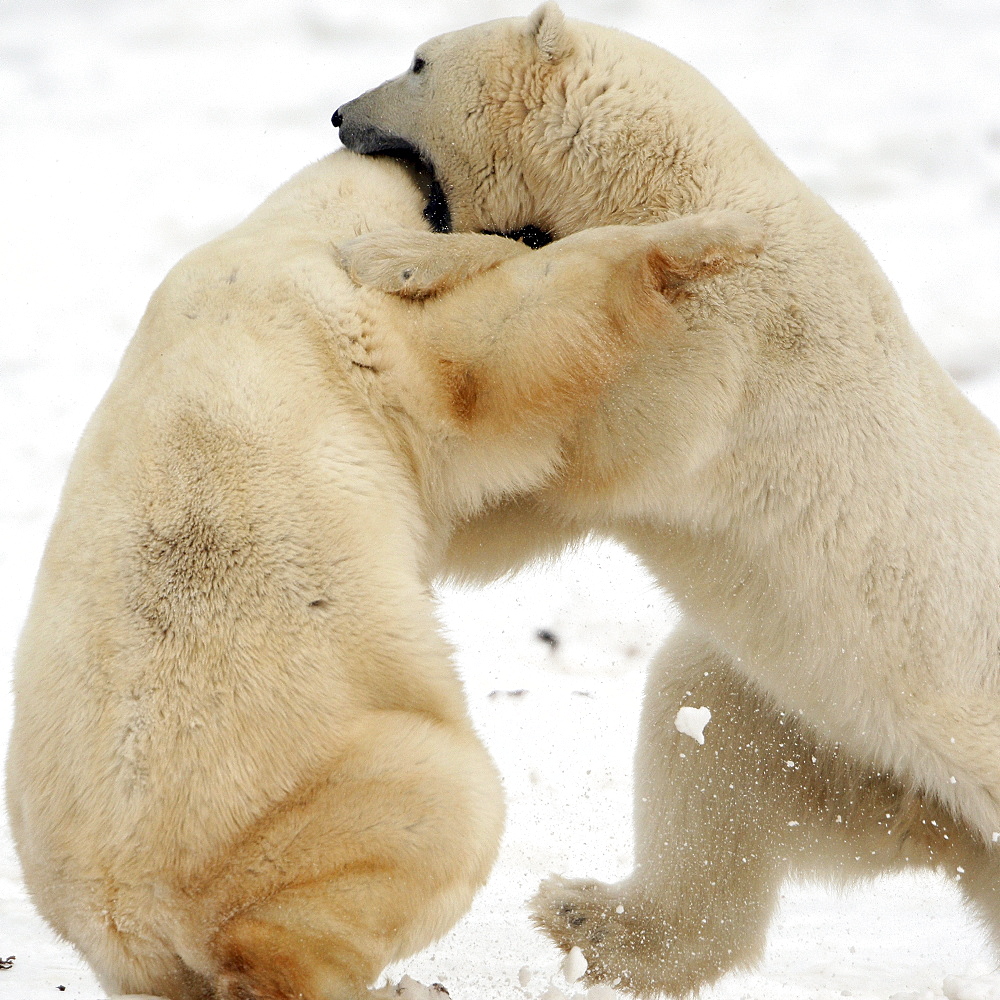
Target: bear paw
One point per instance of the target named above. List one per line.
(579, 913)
(390, 261)
(416, 265)
(634, 942)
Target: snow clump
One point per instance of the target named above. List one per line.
(410, 989)
(574, 965)
(692, 721)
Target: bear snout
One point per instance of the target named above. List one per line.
(368, 139)
(360, 136)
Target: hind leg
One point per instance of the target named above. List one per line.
(720, 826)
(361, 867)
(129, 955)
(130, 968)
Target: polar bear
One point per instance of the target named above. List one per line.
(241, 764)
(799, 473)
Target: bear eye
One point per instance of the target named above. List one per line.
(418, 64)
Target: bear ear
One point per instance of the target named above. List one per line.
(547, 27)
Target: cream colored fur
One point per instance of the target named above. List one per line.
(241, 765)
(798, 472)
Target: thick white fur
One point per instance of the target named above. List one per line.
(804, 479)
(241, 766)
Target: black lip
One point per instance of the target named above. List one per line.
(371, 141)
(436, 211)
(531, 236)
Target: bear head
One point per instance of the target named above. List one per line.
(541, 123)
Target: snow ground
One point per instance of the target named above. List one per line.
(130, 132)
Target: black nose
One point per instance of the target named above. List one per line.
(337, 119)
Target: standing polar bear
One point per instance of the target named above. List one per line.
(241, 766)
(797, 471)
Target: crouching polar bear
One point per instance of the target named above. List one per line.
(799, 473)
(241, 765)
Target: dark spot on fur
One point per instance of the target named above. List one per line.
(320, 602)
(197, 548)
(462, 387)
(185, 569)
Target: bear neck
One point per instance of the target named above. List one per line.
(689, 150)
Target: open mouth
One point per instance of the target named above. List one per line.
(436, 210)
(371, 141)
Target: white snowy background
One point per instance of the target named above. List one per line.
(133, 130)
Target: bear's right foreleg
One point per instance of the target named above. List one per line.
(719, 826)
(708, 866)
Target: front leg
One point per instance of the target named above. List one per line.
(720, 825)
(416, 265)
(538, 336)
